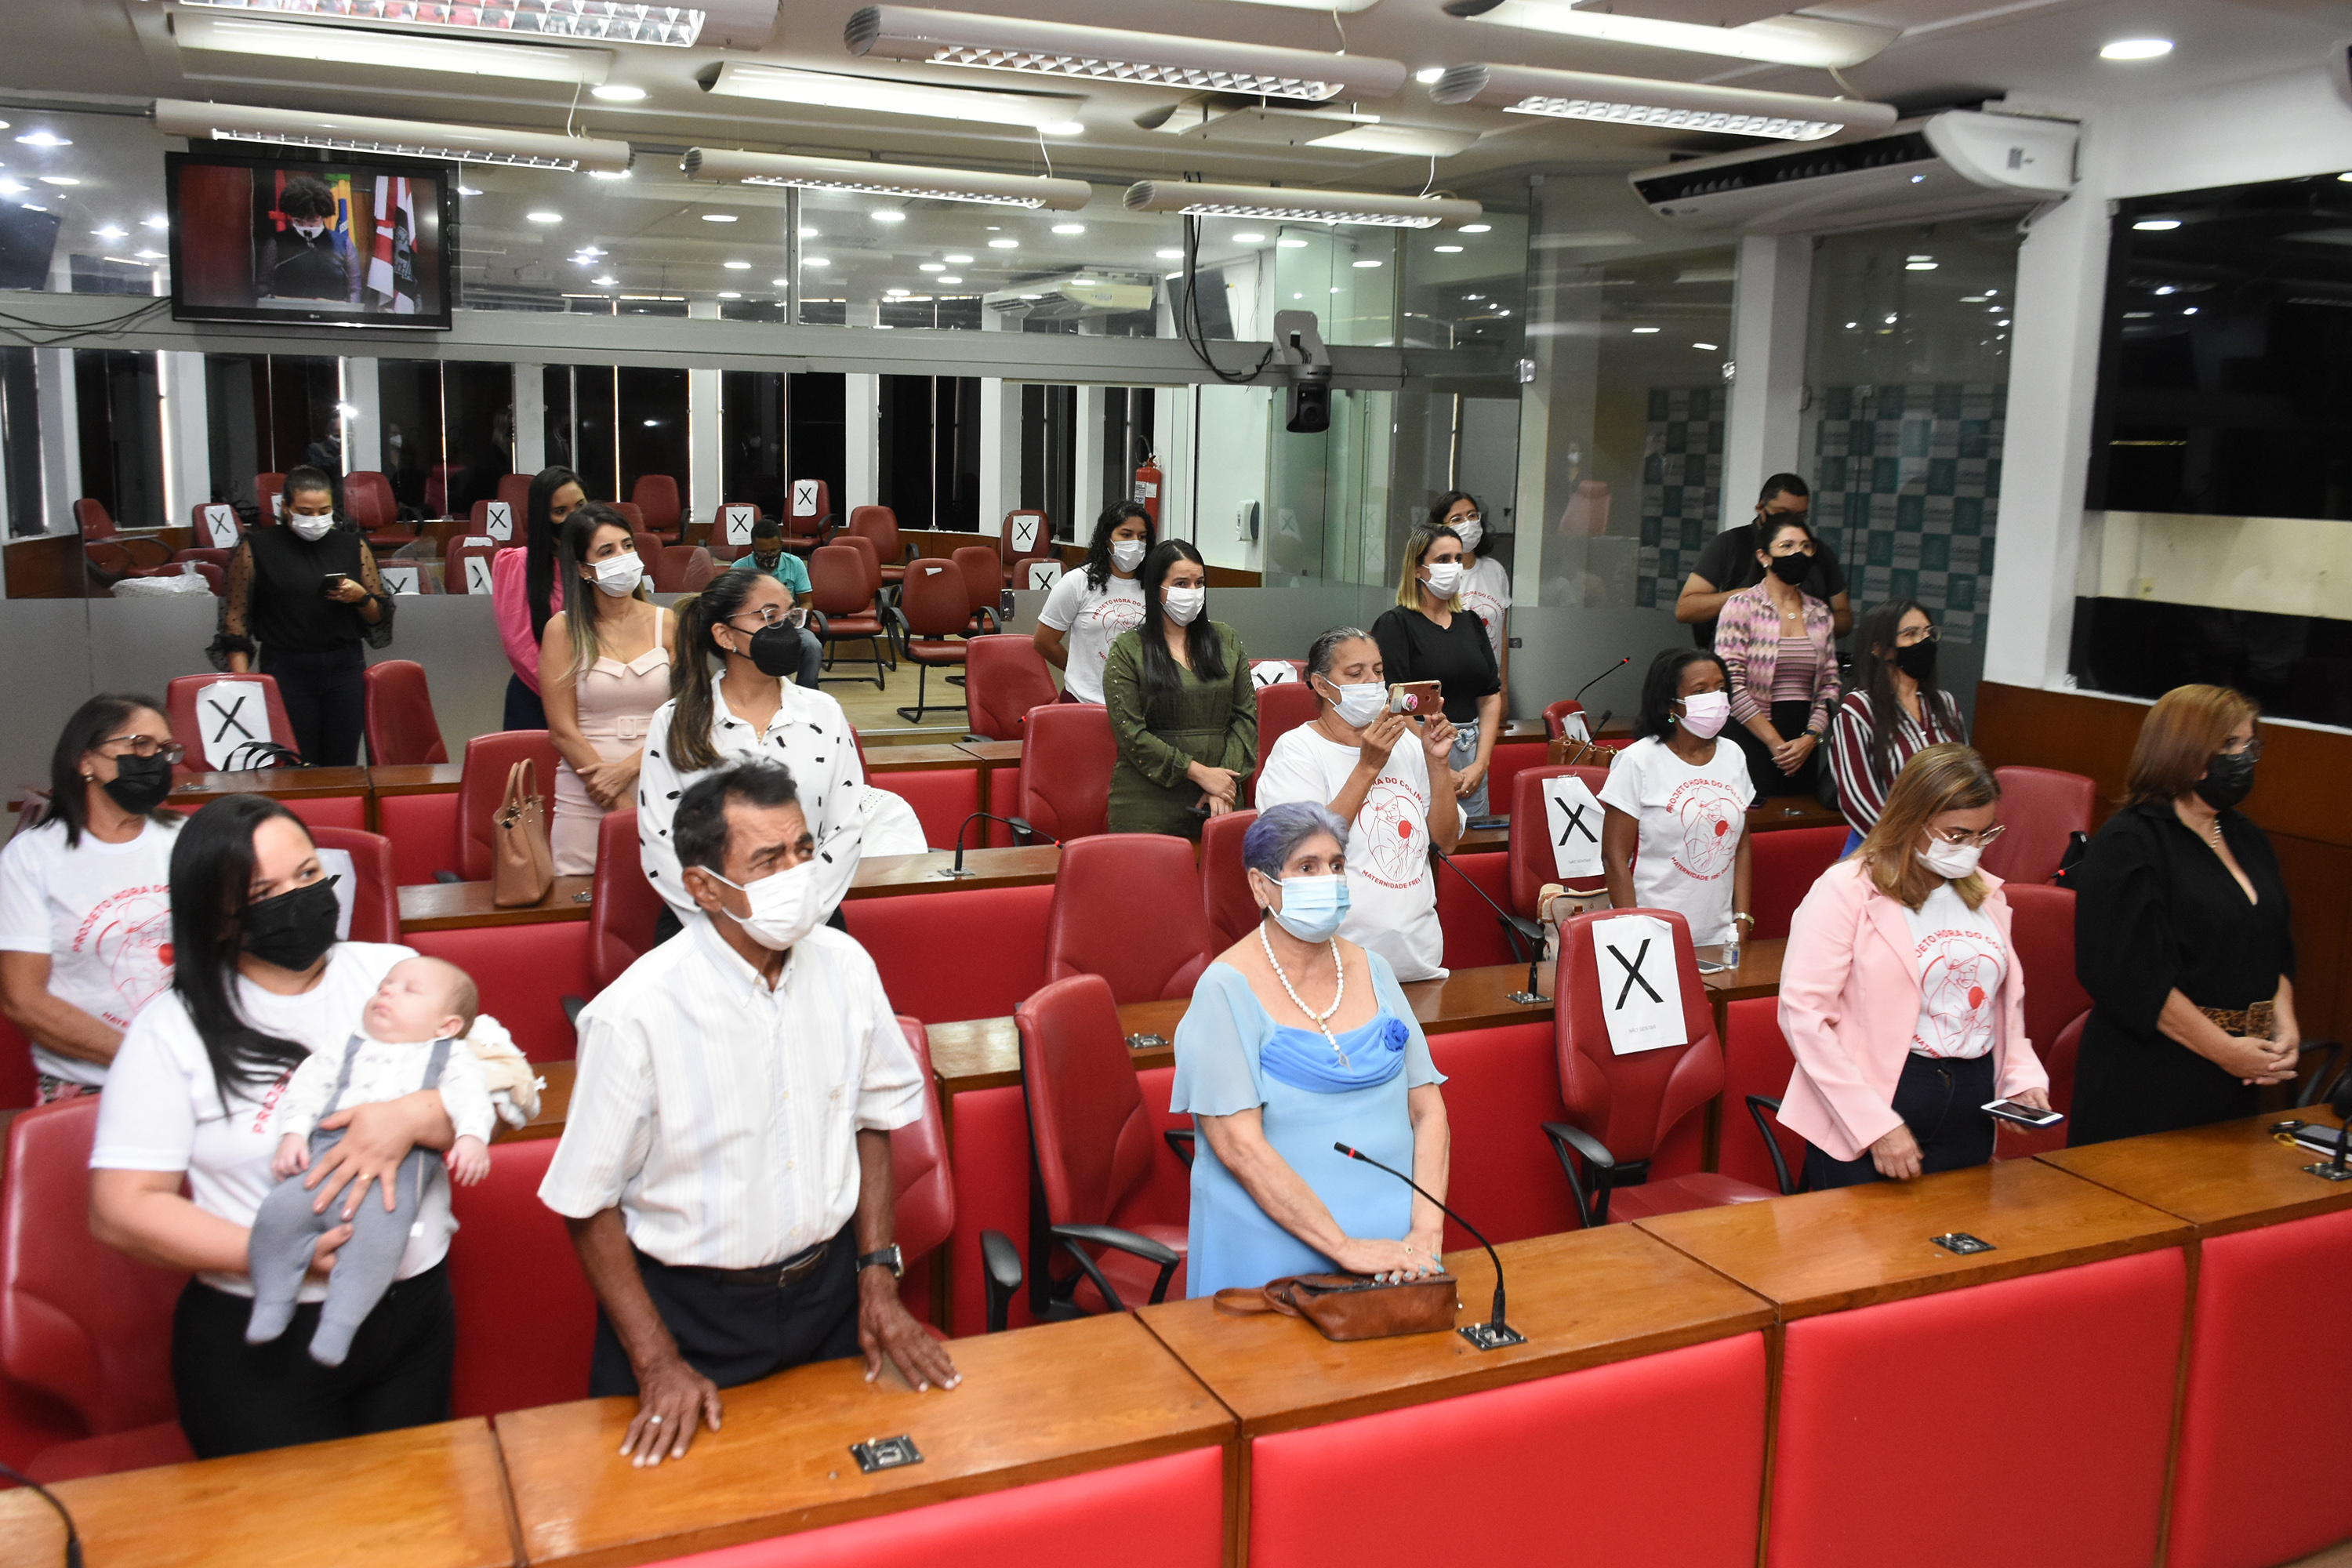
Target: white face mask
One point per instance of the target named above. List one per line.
(313, 529)
(1127, 554)
(1444, 577)
(310, 230)
(1185, 605)
(1704, 713)
(1358, 704)
(1469, 531)
(619, 574)
(784, 906)
(1950, 861)
(1312, 907)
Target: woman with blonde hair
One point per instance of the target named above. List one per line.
(1901, 993)
(603, 672)
(1432, 635)
(2181, 934)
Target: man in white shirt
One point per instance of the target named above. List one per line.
(724, 1164)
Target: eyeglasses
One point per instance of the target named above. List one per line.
(1801, 547)
(795, 616)
(1915, 636)
(143, 746)
(1960, 838)
(2252, 750)
(1466, 517)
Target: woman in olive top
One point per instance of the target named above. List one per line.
(1429, 635)
(1181, 706)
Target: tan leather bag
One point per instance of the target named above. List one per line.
(522, 864)
(1351, 1307)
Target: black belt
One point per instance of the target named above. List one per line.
(771, 1276)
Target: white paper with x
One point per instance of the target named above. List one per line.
(477, 574)
(1024, 531)
(1045, 574)
(398, 579)
(1571, 727)
(229, 713)
(338, 864)
(220, 525)
(1265, 672)
(739, 516)
(498, 521)
(804, 496)
(1641, 995)
(1572, 818)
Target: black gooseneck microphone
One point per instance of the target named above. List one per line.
(1494, 1333)
(73, 1536)
(1018, 824)
(1597, 679)
(2340, 1102)
(1522, 931)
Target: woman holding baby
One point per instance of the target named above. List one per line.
(260, 984)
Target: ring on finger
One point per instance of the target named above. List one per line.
(653, 1420)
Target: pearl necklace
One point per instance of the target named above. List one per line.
(1322, 1019)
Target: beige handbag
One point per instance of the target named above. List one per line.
(522, 864)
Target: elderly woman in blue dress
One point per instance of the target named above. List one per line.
(1296, 1040)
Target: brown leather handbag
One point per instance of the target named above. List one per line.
(1352, 1307)
(522, 863)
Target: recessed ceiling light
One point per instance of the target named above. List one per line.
(807, 233)
(728, 294)
(158, 256)
(1447, 250)
(1645, 329)
(1918, 266)
(2167, 288)
(59, 180)
(1918, 259)
(1082, 282)
(1063, 128)
(931, 266)
(469, 191)
(1335, 287)
(815, 261)
(2156, 225)
(1500, 311)
(1180, 274)
(1428, 74)
(159, 223)
(897, 293)
(958, 259)
(889, 215)
(1851, 326)
(1004, 245)
(1249, 240)
(43, 139)
(2002, 322)
(608, 174)
(111, 231)
(11, 187)
(1169, 255)
(1033, 296)
(618, 92)
(1993, 291)
(736, 266)
(2189, 310)
(544, 216)
(2136, 49)
(1710, 347)
(1476, 228)
(1069, 229)
(1366, 263)
(951, 279)
(1291, 243)
(1473, 298)
(1972, 299)
(718, 217)
(607, 281)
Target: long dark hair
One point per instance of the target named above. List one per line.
(1201, 644)
(1661, 686)
(1445, 504)
(212, 873)
(1877, 630)
(68, 791)
(539, 544)
(690, 681)
(1097, 567)
(582, 600)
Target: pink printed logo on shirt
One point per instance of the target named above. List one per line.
(1959, 972)
(1391, 819)
(134, 926)
(1711, 817)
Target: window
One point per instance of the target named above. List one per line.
(115, 393)
(929, 457)
(20, 439)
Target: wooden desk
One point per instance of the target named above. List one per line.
(1482, 840)
(994, 754)
(1035, 1403)
(1785, 811)
(1758, 973)
(279, 784)
(429, 1497)
(417, 778)
(879, 876)
(554, 1104)
(1857, 1247)
(457, 906)
(1583, 1299)
(911, 758)
(2229, 1176)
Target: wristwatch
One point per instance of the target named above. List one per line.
(887, 1258)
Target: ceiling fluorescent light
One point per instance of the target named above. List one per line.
(1108, 54)
(248, 35)
(826, 89)
(357, 133)
(1665, 105)
(886, 179)
(1780, 40)
(1404, 141)
(722, 24)
(1295, 203)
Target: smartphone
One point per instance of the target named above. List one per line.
(333, 582)
(1418, 698)
(2023, 1115)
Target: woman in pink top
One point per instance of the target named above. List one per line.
(524, 590)
(1901, 993)
(604, 668)
(1776, 641)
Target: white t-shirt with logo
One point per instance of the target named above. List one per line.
(103, 914)
(1391, 883)
(1691, 820)
(1961, 960)
(1093, 621)
(1486, 594)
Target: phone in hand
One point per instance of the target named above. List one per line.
(333, 582)
(1417, 699)
(2021, 1114)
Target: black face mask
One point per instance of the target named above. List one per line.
(139, 783)
(1791, 569)
(2228, 780)
(1917, 660)
(293, 931)
(776, 650)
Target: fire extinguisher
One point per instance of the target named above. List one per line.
(1147, 479)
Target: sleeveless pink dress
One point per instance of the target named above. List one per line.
(616, 699)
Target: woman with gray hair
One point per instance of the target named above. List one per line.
(1296, 1039)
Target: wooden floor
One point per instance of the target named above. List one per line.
(875, 713)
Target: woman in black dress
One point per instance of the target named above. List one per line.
(2181, 934)
(1432, 635)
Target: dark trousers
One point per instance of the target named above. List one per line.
(737, 1333)
(326, 701)
(524, 710)
(237, 1399)
(1789, 719)
(1939, 1100)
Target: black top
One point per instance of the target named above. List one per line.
(2156, 910)
(1730, 562)
(276, 595)
(1459, 657)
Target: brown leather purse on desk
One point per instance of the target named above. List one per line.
(522, 863)
(1352, 1307)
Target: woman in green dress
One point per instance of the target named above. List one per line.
(1181, 706)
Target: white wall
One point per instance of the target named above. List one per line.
(1230, 467)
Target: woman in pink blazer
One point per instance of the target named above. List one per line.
(1901, 993)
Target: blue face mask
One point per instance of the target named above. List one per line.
(1312, 907)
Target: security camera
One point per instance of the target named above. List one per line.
(1308, 365)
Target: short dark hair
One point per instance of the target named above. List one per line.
(307, 477)
(768, 528)
(1783, 485)
(90, 724)
(1660, 685)
(306, 195)
(698, 831)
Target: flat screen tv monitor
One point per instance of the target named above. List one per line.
(357, 242)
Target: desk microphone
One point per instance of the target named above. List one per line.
(1494, 1334)
(1592, 736)
(2339, 1103)
(1597, 679)
(1018, 824)
(1520, 929)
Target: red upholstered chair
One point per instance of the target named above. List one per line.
(632, 514)
(515, 490)
(1280, 709)
(1623, 1111)
(1532, 862)
(923, 1184)
(2042, 926)
(79, 1322)
(98, 528)
(983, 579)
(1782, 868)
(807, 514)
(880, 524)
(456, 578)
(656, 495)
(931, 598)
(210, 742)
(478, 522)
(482, 786)
(375, 898)
(438, 481)
(1226, 896)
(1066, 762)
(1127, 907)
(526, 1318)
(1757, 1064)
(19, 1085)
(838, 581)
(996, 957)
(203, 555)
(1556, 716)
(624, 908)
(368, 502)
(268, 488)
(1003, 678)
(1027, 535)
(401, 728)
(2041, 809)
(680, 568)
(1093, 1143)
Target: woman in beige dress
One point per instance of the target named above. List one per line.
(604, 668)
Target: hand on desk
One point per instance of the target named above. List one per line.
(885, 1327)
(1896, 1155)
(1389, 1261)
(671, 1398)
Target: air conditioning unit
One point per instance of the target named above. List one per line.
(1953, 164)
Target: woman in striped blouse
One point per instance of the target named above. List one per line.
(1895, 709)
(1776, 643)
